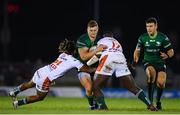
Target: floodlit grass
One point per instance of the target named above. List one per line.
(57, 105)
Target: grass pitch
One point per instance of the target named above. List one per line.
(57, 105)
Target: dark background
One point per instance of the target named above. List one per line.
(30, 32)
(37, 26)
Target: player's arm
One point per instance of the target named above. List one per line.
(87, 69)
(93, 60)
(136, 54)
(168, 54)
(85, 54)
(81, 67)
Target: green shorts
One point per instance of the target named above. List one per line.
(159, 66)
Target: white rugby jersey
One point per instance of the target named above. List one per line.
(61, 65)
(112, 59)
(113, 45)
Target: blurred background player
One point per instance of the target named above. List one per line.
(156, 48)
(113, 60)
(44, 76)
(83, 45)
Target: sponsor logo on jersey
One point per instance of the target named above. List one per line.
(63, 58)
(152, 40)
(158, 43)
(147, 44)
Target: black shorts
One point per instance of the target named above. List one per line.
(157, 66)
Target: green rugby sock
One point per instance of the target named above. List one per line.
(90, 100)
(141, 95)
(151, 87)
(100, 101)
(159, 93)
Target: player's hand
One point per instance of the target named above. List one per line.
(100, 48)
(164, 55)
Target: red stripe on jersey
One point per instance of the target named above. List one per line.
(102, 63)
(113, 45)
(46, 84)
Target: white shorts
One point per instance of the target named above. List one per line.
(42, 81)
(113, 63)
(83, 74)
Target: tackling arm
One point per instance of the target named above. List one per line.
(85, 54)
(88, 69)
(93, 60)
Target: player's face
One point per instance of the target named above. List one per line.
(151, 28)
(92, 32)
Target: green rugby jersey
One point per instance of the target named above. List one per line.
(153, 46)
(84, 41)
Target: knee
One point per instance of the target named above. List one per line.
(151, 73)
(161, 84)
(41, 98)
(88, 89)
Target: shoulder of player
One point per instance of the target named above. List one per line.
(143, 36)
(162, 35)
(83, 37)
(81, 41)
(68, 57)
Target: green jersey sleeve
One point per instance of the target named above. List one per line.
(139, 45)
(81, 42)
(166, 43)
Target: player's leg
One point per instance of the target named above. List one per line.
(86, 82)
(30, 99)
(161, 80)
(24, 86)
(20, 88)
(130, 84)
(42, 85)
(151, 76)
(103, 71)
(98, 92)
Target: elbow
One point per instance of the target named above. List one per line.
(171, 53)
(84, 58)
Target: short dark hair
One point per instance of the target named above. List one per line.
(67, 46)
(108, 34)
(92, 23)
(151, 20)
